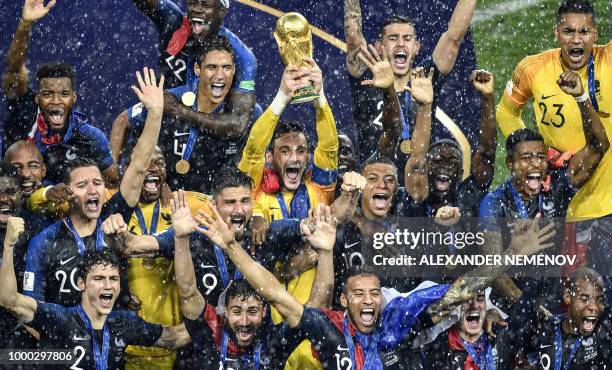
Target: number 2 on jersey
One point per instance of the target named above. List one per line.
(177, 67)
(555, 122)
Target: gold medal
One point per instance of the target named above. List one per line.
(406, 146)
(182, 167)
(148, 263)
(188, 98)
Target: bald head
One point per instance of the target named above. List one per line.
(26, 157)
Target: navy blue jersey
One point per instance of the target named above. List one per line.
(209, 155)
(368, 112)
(325, 329)
(178, 69)
(53, 259)
(206, 334)
(62, 328)
(81, 140)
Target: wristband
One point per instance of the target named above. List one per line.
(279, 103)
(582, 98)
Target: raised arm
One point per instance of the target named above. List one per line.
(118, 238)
(585, 161)
(15, 78)
(192, 301)
(345, 205)
(217, 230)
(353, 33)
(152, 96)
(383, 78)
(326, 152)
(229, 124)
(21, 306)
(447, 48)
(415, 172)
(483, 163)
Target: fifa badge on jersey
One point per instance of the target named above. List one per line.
(28, 281)
(509, 87)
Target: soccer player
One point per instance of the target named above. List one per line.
(399, 40)
(178, 32)
(558, 114)
(577, 339)
(46, 116)
(241, 337)
(364, 335)
(94, 332)
(195, 155)
(54, 254)
(28, 161)
(433, 174)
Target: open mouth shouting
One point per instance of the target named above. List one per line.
(92, 204)
(293, 172)
(151, 184)
(534, 181)
(400, 59)
(442, 182)
(6, 211)
(367, 317)
(198, 25)
(27, 187)
(576, 55)
(588, 323)
(217, 89)
(472, 321)
(106, 299)
(238, 221)
(56, 117)
(244, 335)
(380, 201)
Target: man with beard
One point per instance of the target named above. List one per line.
(178, 32)
(364, 335)
(195, 155)
(578, 339)
(399, 40)
(54, 254)
(346, 158)
(12, 334)
(296, 182)
(93, 332)
(46, 117)
(241, 337)
(433, 172)
(559, 114)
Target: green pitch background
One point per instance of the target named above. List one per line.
(502, 41)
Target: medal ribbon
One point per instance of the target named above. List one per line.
(100, 244)
(143, 224)
(223, 352)
(223, 267)
(559, 350)
(518, 201)
(485, 362)
(100, 356)
(299, 198)
(371, 351)
(591, 82)
(405, 117)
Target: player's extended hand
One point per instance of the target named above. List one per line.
(323, 236)
(293, 79)
(528, 238)
(447, 216)
(315, 75)
(35, 9)
(14, 228)
(421, 87)
(116, 233)
(382, 73)
(182, 222)
(571, 83)
(259, 231)
(220, 232)
(150, 93)
(59, 194)
(493, 318)
(483, 81)
(353, 181)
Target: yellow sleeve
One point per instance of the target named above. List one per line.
(253, 156)
(37, 203)
(198, 201)
(508, 116)
(326, 152)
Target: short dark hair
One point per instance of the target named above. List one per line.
(576, 7)
(212, 43)
(519, 136)
(56, 70)
(394, 19)
(231, 178)
(241, 289)
(446, 142)
(377, 159)
(105, 257)
(357, 270)
(77, 163)
(8, 170)
(286, 127)
(585, 273)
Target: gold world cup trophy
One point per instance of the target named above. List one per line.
(294, 40)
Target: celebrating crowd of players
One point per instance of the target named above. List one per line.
(208, 233)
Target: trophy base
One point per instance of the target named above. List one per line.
(303, 95)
